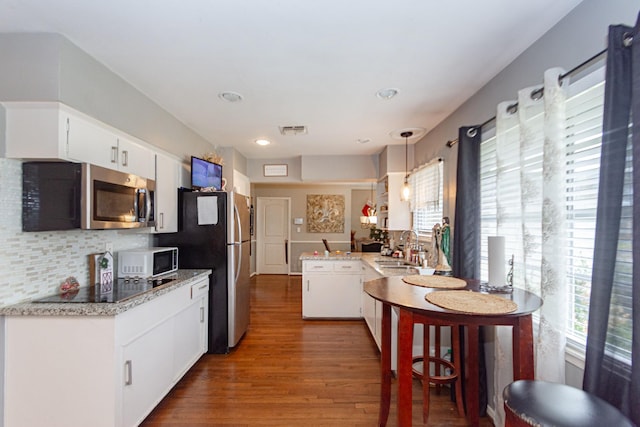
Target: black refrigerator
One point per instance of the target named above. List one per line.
(213, 233)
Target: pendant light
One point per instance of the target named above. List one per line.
(406, 190)
(369, 219)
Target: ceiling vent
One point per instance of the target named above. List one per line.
(293, 130)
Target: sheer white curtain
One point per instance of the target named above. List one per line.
(529, 210)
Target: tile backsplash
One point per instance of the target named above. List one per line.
(34, 264)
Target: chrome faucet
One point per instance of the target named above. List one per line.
(407, 248)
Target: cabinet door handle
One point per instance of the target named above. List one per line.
(114, 154)
(307, 286)
(128, 373)
(201, 314)
(161, 220)
(125, 158)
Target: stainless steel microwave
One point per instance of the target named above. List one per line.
(62, 196)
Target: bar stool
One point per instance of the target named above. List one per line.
(440, 378)
(538, 403)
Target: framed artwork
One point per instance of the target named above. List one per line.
(325, 213)
(276, 170)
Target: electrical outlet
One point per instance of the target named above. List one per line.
(108, 247)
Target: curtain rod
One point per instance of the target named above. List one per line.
(561, 77)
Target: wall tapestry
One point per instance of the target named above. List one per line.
(325, 213)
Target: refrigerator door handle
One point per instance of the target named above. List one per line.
(239, 263)
(237, 239)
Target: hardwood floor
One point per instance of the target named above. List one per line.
(291, 372)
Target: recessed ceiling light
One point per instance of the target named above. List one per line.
(230, 96)
(387, 93)
(263, 142)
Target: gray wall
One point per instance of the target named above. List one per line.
(577, 37)
(303, 241)
(317, 169)
(339, 168)
(47, 67)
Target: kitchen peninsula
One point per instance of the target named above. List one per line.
(332, 287)
(102, 364)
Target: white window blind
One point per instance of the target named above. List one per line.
(583, 141)
(427, 193)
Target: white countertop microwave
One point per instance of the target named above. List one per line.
(147, 262)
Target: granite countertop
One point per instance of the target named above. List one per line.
(184, 278)
(368, 257)
(333, 256)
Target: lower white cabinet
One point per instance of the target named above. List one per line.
(102, 370)
(147, 370)
(331, 289)
(190, 342)
(372, 313)
(372, 308)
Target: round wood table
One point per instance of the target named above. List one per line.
(413, 307)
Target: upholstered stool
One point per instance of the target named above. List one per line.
(439, 378)
(538, 403)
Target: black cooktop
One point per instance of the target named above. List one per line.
(122, 290)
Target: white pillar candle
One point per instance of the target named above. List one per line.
(497, 261)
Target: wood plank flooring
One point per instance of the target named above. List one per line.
(291, 372)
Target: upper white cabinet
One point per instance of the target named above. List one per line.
(52, 130)
(136, 159)
(393, 213)
(168, 179)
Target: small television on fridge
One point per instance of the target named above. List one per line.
(205, 174)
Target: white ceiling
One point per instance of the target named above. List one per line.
(298, 62)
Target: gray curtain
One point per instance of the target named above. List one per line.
(466, 231)
(605, 375)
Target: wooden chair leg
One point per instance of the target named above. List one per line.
(439, 378)
(425, 373)
(457, 361)
(438, 351)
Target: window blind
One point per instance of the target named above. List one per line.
(427, 191)
(583, 140)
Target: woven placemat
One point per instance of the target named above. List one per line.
(442, 282)
(471, 302)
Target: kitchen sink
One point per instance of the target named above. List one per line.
(394, 263)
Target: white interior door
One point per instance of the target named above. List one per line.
(272, 235)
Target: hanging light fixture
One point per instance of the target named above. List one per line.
(406, 190)
(369, 218)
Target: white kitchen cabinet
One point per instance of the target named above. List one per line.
(51, 130)
(393, 213)
(168, 175)
(87, 141)
(135, 158)
(147, 365)
(191, 342)
(372, 308)
(102, 371)
(331, 289)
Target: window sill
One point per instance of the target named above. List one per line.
(574, 354)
